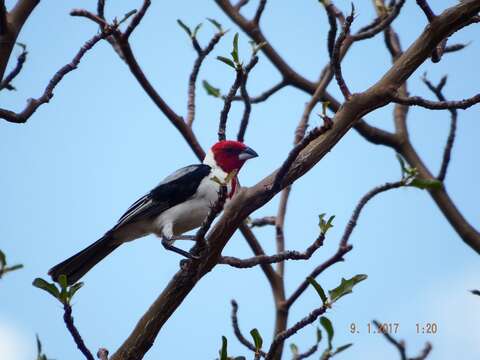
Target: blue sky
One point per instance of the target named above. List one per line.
(82, 159)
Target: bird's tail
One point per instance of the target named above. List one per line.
(79, 264)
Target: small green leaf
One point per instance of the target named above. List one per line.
(319, 335)
(475, 292)
(426, 183)
(3, 259)
(195, 31)
(257, 339)
(184, 27)
(48, 287)
(319, 289)
(62, 280)
(211, 90)
(226, 61)
(345, 287)
(234, 52)
(325, 225)
(325, 107)
(294, 349)
(73, 289)
(223, 351)
(342, 348)
(216, 24)
(327, 325)
(12, 268)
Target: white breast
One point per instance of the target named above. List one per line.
(191, 213)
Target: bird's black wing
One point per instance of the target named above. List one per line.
(173, 190)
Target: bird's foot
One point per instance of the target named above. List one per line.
(167, 244)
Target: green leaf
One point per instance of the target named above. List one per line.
(234, 52)
(12, 268)
(211, 90)
(74, 288)
(426, 183)
(223, 351)
(325, 225)
(62, 280)
(226, 61)
(48, 287)
(327, 325)
(3, 259)
(319, 335)
(294, 349)
(216, 24)
(319, 289)
(257, 339)
(345, 287)
(475, 292)
(342, 348)
(195, 31)
(184, 27)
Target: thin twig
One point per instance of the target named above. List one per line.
(427, 10)
(335, 59)
(6, 82)
(436, 105)
(267, 220)
(382, 25)
(437, 90)
(68, 318)
(228, 103)
(265, 95)
(101, 13)
(238, 332)
(259, 12)
(271, 259)
(246, 100)
(194, 75)
(361, 204)
(307, 353)
(240, 4)
(34, 104)
(136, 19)
(281, 337)
(312, 135)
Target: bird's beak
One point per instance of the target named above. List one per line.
(247, 153)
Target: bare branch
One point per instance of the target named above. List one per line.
(427, 10)
(370, 32)
(335, 60)
(267, 220)
(240, 4)
(265, 95)
(238, 332)
(6, 82)
(271, 259)
(68, 319)
(259, 12)
(437, 105)
(136, 19)
(281, 337)
(194, 75)
(246, 100)
(437, 90)
(228, 103)
(292, 156)
(34, 104)
(101, 13)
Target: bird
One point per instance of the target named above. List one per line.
(180, 203)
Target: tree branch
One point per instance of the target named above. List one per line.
(34, 104)
(68, 318)
(271, 259)
(6, 82)
(238, 332)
